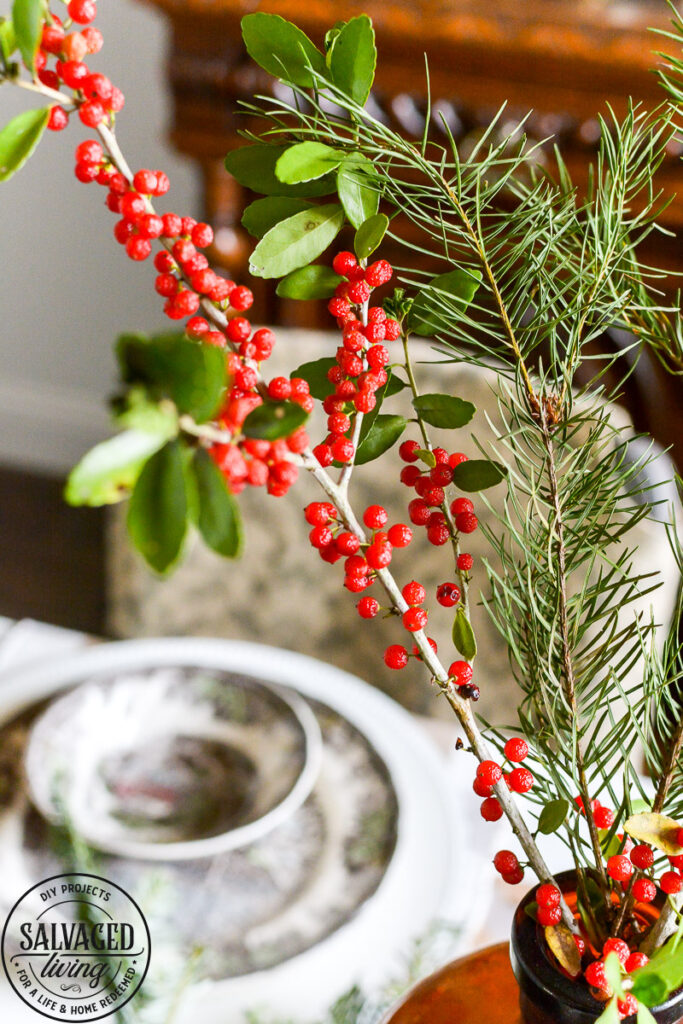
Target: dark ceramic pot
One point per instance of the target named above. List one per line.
(546, 996)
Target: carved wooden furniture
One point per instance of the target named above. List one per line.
(564, 60)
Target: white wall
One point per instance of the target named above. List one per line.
(66, 287)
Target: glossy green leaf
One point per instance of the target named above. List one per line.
(353, 59)
(27, 18)
(553, 816)
(8, 38)
(263, 214)
(315, 372)
(463, 635)
(370, 234)
(157, 515)
(273, 420)
(531, 910)
(218, 520)
(444, 410)
(613, 973)
(192, 375)
(254, 168)
(108, 471)
(355, 188)
(447, 292)
(393, 385)
(429, 458)
(282, 49)
(478, 474)
(19, 138)
(306, 161)
(383, 434)
(312, 282)
(296, 241)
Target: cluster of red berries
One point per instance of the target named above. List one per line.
(630, 961)
(428, 509)
(95, 97)
(362, 560)
(361, 358)
(490, 773)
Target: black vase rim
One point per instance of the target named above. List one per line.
(567, 1000)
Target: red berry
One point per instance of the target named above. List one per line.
(635, 961)
(73, 73)
(93, 39)
(116, 103)
(138, 248)
(133, 206)
(323, 454)
(438, 535)
(58, 119)
(98, 87)
(480, 787)
(202, 235)
(150, 225)
(165, 284)
(603, 816)
(408, 451)
(617, 946)
(172, 225)
(628, 1006)
(396, 657)
(356, 565)
(414, 592)
(238, 330)
(456, 458)
(241, 298)
(514, 877)
(378, 555)
(676, 862)
(490, 809)
(521, 780)
(145, 182)
(679, 837)
(548, 895)
(642, 856)
(359, 292)
(338, 307)
(461, 673)
(343, 449)
(400, 535)
(548, 916)
(465, 562)
(466, 522)
(505, 862)
(441, 475)
(378, 273)
(375, 517)
(595, 975)
(89, 150)
(489, 772)
(392, 330)
(367, 607)
(320, 536)
(644, 890)
(415, 619)
(319, 512)
(52, 38)
(419, 512)
(461, 505)
(671, 882)
(91, 113)
(580, 944)
(82, 11)
(619, 868)
(516, 749)
(343, 263)
(448, 594)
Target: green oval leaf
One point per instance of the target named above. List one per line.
(553, 816)
(108, 471)
(27, 18)
(442, 298)
(353, 59)
(315, 373)
(296, 241)
(354, 185)
(312, 282)
(306, 161)
(19, 138)
(282, 49)
(254, 168)
(429, 458)
(192, 375)
(444, 410)
(157, 515)
(662, 975)
(370, 234)
(463, 636)
(8, 38)
(273, 420)
(219, 520)
(478, 474)
(263, 214)
(384, 433)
